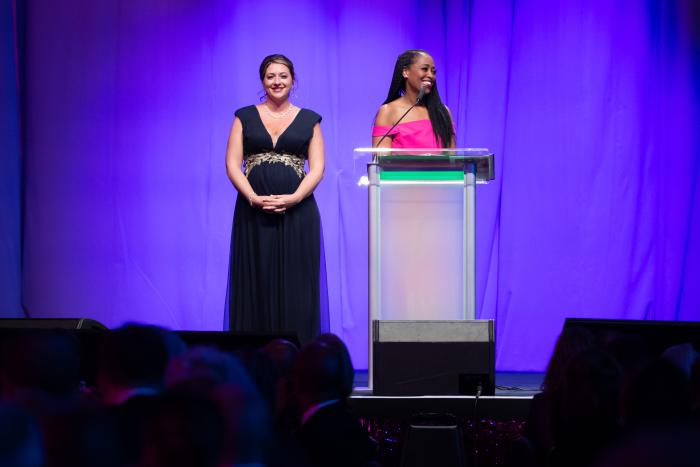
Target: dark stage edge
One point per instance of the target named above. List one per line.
(514, 393)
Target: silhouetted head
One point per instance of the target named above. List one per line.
(208, 367)
(283, 354)
(322, 371)
(133, 356)
(683, 356)
(695, 385)
(585, 415)
(82, 438)
(186, 430)
(630, 350)
(659, 394)
(348, 371)
(44, 360)
(675, 446)
(571, 342)
(222, 378)
(20, 440)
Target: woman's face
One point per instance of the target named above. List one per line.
(277, 82)
(421, 73)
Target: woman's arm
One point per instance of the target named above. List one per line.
(280, 203)
(234, 161)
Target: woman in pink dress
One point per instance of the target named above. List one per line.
(426, 125)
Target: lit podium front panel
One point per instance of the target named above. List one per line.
(421, 217)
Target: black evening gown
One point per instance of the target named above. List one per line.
(277, 275)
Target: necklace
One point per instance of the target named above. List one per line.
(278, 115)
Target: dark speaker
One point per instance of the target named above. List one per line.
(52, 323)
(417, 358)
(657, 335)
(228, 341)
(88, 332)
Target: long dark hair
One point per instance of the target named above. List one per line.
(439, 116)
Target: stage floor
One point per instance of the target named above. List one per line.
(514, 393)
(507, 383)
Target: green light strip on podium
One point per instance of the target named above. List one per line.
(421, 175)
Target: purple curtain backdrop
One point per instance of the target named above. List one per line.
(590, 106)
(10, 166)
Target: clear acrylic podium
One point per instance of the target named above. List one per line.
(421, 218)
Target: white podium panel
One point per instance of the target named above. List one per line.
(422, 258)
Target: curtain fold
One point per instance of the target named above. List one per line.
(10, 166)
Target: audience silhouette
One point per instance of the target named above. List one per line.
(328, 431)
(604, 401)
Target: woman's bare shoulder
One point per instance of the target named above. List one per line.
(386, 115)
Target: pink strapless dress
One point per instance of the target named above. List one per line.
(415, 134)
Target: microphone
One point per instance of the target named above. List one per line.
(421, 94)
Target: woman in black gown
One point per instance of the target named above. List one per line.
(276, 272)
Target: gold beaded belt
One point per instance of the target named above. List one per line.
(295, 162)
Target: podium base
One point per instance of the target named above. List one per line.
(418, 358)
